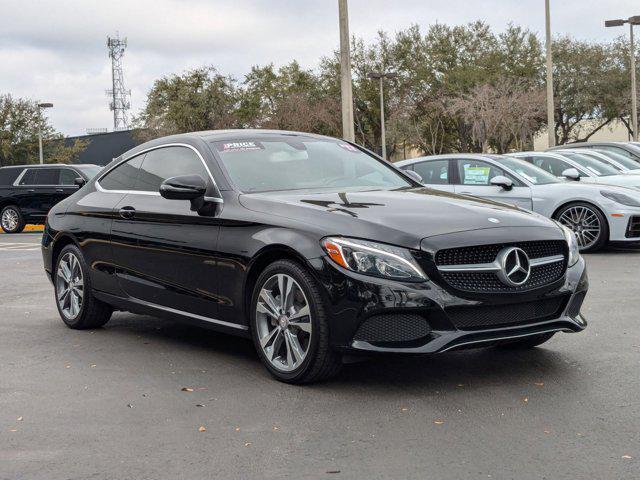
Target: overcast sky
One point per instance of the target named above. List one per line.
(56, 50)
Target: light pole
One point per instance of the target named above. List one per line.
(551, 121)
(348, 132)
(634, 95)
(381, 76)
(41, 106)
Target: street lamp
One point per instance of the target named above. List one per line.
(381, 76)
(634, 96)
(551, 121)
(42, 106)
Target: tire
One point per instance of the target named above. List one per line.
(11, 219)
(569, 212)
(528, 342)
(319, 362)
(87, 312)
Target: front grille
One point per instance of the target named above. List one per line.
(481, 317)
(393, 327)
(633, 228)
(488, 253)
(488, 282)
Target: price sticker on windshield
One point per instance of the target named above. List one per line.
(228, 147)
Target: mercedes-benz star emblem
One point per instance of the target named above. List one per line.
(514, 266)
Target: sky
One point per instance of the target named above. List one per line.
(55, 50)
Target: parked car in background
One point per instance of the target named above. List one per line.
(628, 149)
(597, 214)
(576, 167)
(313, 247)
(623, 164)
(27, 192)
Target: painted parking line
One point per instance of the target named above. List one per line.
(19, 246)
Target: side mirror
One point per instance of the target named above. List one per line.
(79, 182)
(187, 187)
(414, 175)
(571, 174)
(502, 181)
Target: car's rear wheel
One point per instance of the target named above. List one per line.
(527, 342)
(587, 222)
(289, 325)
(11, 219)
(77, 306)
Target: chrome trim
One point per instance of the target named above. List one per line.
(16, 182)
(506, 337)
(146, 192)
(188, 314)
(495, 266)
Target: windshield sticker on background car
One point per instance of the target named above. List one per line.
(226, 147)
(476, 175)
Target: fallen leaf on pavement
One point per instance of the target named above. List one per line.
(627, 457)
(237, 429)
(525, 400)
(202, 429)
(199, 405)
(539, 384)
(247, 444)
(20, 418)
(187, 389)
(438, 422)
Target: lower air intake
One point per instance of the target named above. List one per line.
(392, 327)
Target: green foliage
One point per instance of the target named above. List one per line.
(460, 88)
(19, 120)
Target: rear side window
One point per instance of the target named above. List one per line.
(29, 177)
(476, 172)
(167, 162)
(124, 176)
(9, 175)
(434, 173)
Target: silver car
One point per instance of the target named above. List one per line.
(598, 214)
(578, 167)
(623, 164)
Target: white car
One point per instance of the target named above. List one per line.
(623, 164)
(596, 213)
(584, 169)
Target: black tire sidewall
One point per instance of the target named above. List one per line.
(604, 226)
(292, 269)
(21, 224)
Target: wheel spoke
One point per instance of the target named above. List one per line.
(287, 343)
(276, 346)
(269, 337)
(269, 302)
(266, 309)
(285, 287)
(294, 347)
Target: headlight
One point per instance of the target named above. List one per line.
(574, 250)
(620, 198)
(372, 258)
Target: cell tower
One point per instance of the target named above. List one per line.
(119, 94)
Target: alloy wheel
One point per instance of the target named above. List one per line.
(10, 219)
(585, 224)
(69, 286)
(283, 322)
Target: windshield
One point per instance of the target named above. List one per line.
(596, 167)
(530, 172)
(295, 163)
(626, 162)
(90, 172)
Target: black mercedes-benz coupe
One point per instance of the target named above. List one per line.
(313, 247)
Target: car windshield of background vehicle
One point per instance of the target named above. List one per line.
(596, 167)
(626, 162)
(530, 172)
(294, 163)
(90, 172)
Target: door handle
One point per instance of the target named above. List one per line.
(59, 190)
(127, 212)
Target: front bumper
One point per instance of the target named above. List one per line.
(354, 299)
(624, 226)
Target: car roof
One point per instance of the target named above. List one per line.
(46, 165)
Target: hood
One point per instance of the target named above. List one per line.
(401, 217)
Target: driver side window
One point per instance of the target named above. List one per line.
(166, 162)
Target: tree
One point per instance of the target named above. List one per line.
(19, 120)
(200, 99)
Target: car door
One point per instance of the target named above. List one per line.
(36, 191)
(474, 178)
(164, 251)
(434, 173)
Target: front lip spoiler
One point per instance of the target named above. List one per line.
(444, 341)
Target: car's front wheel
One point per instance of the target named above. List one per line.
(289, 325)
(76, 304)
(11, 219)
(587, 222)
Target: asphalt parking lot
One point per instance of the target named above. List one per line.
(110, 404)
